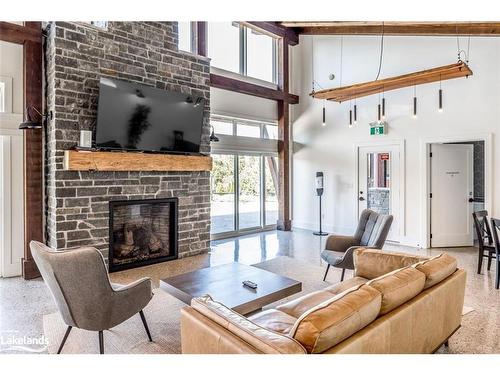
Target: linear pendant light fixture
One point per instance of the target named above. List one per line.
(341, 94)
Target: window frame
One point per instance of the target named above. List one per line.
(243, 54)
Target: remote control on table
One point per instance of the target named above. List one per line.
(250, 284)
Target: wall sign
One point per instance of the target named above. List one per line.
(378, 128)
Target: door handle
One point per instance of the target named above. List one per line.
(361, 198)
(471, 200)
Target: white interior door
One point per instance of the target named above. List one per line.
(451, 189)
(378, 183)
(11, 204)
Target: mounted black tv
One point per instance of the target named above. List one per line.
(137, 117)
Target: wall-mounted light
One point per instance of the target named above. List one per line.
(213, 137)
(30, 123)
(415, 101)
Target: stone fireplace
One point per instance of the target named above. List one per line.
(77, 202)
(142, 232)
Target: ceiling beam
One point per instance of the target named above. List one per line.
(242, 87)
(275, 29)
(13, 33)
(396, 28)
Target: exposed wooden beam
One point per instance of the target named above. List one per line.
(396, 28)
(284, 219)
(130, 161)
(201, 38)
(242, 87)
(275, 29)
(342, 94)
(13, 33)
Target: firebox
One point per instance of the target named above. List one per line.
(142, 232)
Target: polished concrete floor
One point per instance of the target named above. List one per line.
(23, 303)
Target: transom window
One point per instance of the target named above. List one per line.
(244, 128)
(186, 36)
(242, 50)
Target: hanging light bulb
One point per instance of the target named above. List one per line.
(355, 112)
(378, 108)
(350, 113)
(383, 105)
(324, 114)
(440, 108)
(415, 101)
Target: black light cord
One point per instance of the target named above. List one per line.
(381, 52)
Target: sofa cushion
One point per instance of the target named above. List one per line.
(274, 320)
(372, 263)
(437, 269)
(260, 338)
(304, 303)
(397, 287)
(337, 318)
(346, 284)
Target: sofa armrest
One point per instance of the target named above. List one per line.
(262, 339)
(372, 263)
(340, 243)
(347, 261)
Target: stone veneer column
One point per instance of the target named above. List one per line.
(78, 55)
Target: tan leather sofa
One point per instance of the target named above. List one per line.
(395, 303)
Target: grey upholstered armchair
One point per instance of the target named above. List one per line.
(371, 233)
(84, 295)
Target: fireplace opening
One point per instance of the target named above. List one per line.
(142, 232)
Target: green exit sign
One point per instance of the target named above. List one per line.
(378, 128)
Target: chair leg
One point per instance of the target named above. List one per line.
(326, 272)
(480, 261)
(143, 318)
(68, 330)
(490, 256)
(101, 342)
(343, 273)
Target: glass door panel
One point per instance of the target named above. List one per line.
(223, 194)
(249, 183)
(271, 190)
(379, 182)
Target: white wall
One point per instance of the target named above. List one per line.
(471, 106)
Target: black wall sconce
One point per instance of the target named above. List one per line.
(213, 137)
(30, 122)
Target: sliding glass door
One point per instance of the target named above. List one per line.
(244, 194)
(223, 194)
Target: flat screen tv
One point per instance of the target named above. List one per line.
(137, 117)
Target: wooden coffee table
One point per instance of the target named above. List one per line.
(224, 284)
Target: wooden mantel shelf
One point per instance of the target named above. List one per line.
(134, 161)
